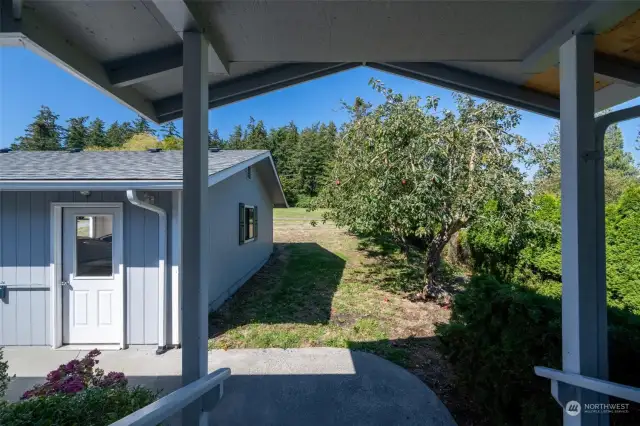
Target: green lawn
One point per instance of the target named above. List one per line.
(322, 289)
(297, 213)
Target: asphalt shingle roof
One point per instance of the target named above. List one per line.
(112, 165)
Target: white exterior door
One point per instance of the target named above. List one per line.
(92, 297)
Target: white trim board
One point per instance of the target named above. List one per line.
(89, 185)
(226, 173)
(176, 261)
(55, 265)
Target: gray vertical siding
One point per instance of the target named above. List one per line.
(231, 263)
(25, 256)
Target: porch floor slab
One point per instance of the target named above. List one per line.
(311, 386)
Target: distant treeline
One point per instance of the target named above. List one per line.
(301, 155)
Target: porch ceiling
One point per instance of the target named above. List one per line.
(131, 49)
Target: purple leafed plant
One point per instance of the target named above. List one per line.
(75, 376)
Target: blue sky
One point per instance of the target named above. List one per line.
(28, 81)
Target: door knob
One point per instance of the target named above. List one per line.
(63, 283)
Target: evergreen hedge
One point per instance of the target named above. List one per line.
(531, 255)
(499, 331)
(502, 327)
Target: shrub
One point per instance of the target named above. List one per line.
(4, 375)
(532, 256)
(305, 201)
(623, 246)
(77, 393)
(91, 407)
(76, 376)
(499, 332)
(494, 246)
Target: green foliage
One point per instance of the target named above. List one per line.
(96, 135)
(496, 335)
(542, 254)
(495, 241)
(531, 254)
(421, 174)
(623, 249)
(118, 134)
(91, 407)
(172, 143)
(285, 143)
(255, 136)
(215, 141)
(306, 202)
(617, 182)
(620, 170)
(235, 140)
(170, 130)
(301, 157)
(142, 126)
(44, 134)
(139, 142)
(4, 375)
(75, 393)
(615, 157)
(498, 332)
(313, 156)
(76, 135)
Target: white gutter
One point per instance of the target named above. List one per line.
(132, 196)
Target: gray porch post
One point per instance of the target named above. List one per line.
(195, 228)
(584, 300)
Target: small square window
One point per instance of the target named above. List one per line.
(248, 223)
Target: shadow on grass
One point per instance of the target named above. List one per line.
(297, 286)
(400, 269)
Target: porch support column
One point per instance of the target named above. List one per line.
(195, 228)
(584, 296)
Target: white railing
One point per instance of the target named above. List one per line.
(597, 385)
(209, 388)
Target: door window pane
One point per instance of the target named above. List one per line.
(94, 250)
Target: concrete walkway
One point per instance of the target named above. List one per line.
(311, 386)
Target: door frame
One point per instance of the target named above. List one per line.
(55, 266)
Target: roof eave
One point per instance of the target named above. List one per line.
(86, 185)
(280, 199)
(149, 185)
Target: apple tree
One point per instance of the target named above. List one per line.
(409, 169)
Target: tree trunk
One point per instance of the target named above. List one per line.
(432, 288)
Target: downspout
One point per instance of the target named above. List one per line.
(132, 196)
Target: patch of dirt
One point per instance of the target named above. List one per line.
(344, 319)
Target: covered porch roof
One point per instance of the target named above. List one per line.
(168, 59)
(506, 51)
